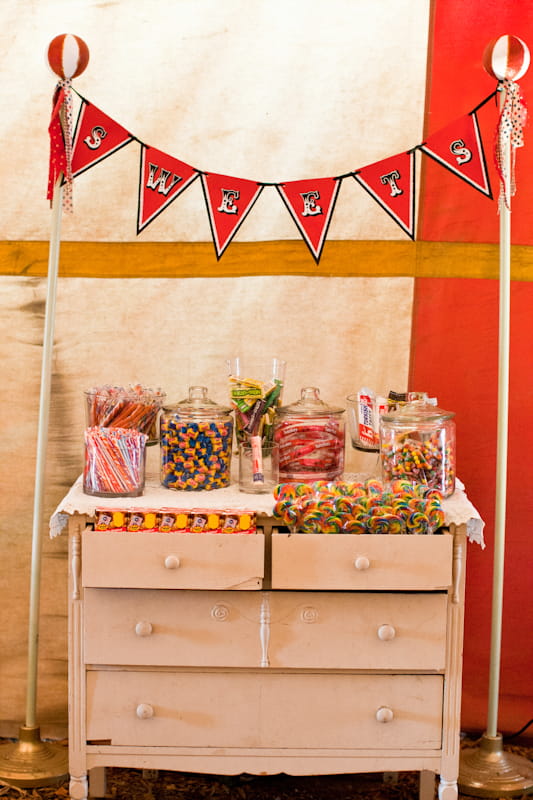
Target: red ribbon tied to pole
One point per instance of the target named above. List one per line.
(507, 59)
(68, 56)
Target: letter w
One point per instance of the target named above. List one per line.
(160, 181)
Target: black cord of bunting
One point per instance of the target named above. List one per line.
(458, 147)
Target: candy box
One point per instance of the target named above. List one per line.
(174, 519)
(109, 519)
(238, 521)
(142, 520)
(204, 521)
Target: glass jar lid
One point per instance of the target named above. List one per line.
(198, 404)
(309, 405)
(415, 412)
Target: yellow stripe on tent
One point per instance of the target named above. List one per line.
(197, 259)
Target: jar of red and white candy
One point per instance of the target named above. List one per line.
(417, 444)
(310, 435)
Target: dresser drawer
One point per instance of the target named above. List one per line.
(328, 630)
(167, 628)
(318, 561)
(264, 710)
(172, 560)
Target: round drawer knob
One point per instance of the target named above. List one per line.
(143, 628)
(144, 711)
(362, 562)
(384, 714)
(172, 562)
(386, 632)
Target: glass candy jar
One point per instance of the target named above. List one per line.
(417, 444)
(310, 436)
(195, 443)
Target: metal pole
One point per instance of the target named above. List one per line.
(42, 441)
(501, 442)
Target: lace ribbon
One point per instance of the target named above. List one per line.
(510, 133)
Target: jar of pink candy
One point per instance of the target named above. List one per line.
(310, 436)
(417, 444)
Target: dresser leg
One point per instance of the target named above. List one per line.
(426, 788)
(78, 787)
(447, 789)
(97, 782)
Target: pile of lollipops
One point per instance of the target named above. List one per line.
(361, 507)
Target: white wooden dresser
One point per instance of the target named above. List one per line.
(264, 653)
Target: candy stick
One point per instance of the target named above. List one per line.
(257, 460)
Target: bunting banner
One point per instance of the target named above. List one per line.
(96, 137)
(310, 204)
(162, 179)
(391, 183)
(229, 201)
(458, 148)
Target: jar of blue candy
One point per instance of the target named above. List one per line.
(195, 443)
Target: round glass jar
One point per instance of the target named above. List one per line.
(134, 406)
(195, 443)
(310, 436)
(417, 444)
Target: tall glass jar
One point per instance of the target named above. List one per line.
(310, 436)
(417, 444)
(195, 443)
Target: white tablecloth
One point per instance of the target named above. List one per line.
(458, 508)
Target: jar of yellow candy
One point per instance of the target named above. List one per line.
(195, 443)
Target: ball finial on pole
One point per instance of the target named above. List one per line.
(506, 58)
(68, 56)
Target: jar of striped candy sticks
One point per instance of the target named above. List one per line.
(310, 436)
(133, 406)
(115, 460)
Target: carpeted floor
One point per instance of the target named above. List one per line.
(130, 784)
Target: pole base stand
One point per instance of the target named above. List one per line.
(488, 771)
(31, 762)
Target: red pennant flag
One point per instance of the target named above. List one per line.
(96, 137)
(391, 183)
(162, 179)
(310, 204)
(459, 148)
(228, 200)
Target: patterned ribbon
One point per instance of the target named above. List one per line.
(60, 130)
(509, 130)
